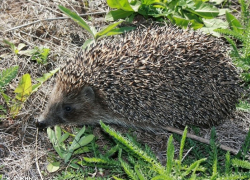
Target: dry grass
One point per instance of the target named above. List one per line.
(18, 137)
(19, 152)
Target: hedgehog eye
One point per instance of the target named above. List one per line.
(67, 108)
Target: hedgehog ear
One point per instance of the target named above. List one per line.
(89, 93)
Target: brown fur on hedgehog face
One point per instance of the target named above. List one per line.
(81, 107)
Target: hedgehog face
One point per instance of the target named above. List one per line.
(73, 108)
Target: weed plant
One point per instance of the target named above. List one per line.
(239, 38)
(128, 159)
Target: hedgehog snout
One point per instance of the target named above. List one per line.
(40, 124)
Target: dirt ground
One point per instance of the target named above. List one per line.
(22, 148)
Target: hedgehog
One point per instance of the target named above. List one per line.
(148, 79)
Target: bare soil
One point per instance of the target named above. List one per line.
(24, 150)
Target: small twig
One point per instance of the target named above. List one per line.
(187, 153)
(10, 127)
(200, 139)
(37, 165)
(52, 19)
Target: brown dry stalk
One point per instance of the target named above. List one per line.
(52, 19)
(200, 139)
(37, 164)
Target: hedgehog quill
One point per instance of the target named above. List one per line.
(149, 78)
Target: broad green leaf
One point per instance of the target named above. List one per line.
(135, 5)
(191, 16)
(63, 138)
(204, 10)
(35, 87)
(28, 52)
(119, 31)
(159, 5)
(87, 43)
(46, 76)
(75, 144)
(81, 150)
(24, 88)
(149, 2)
(52, 137)
(75, 166)
(215, 23)
(117, 14)
(93, 29)
(114, 4)
(53, 167)
(217, 2)
(77, 19)
(58, 133)
(184, 23)
(234, 23)
(84, 141)
(42, 79)
(7, 75)
(61, 152)
(208, 30)
(163, 14)
(223, 11)
(96, 160)
(120, 4)
(212, 24)
(80, 133)
(50, 134)
(107, 29)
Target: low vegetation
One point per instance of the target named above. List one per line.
(22, 91)
(196, 14)
(124, 157)
(129, 159)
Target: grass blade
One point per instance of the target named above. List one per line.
(170, 155)
(77, 19)
(107, 29)
(119, 30)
